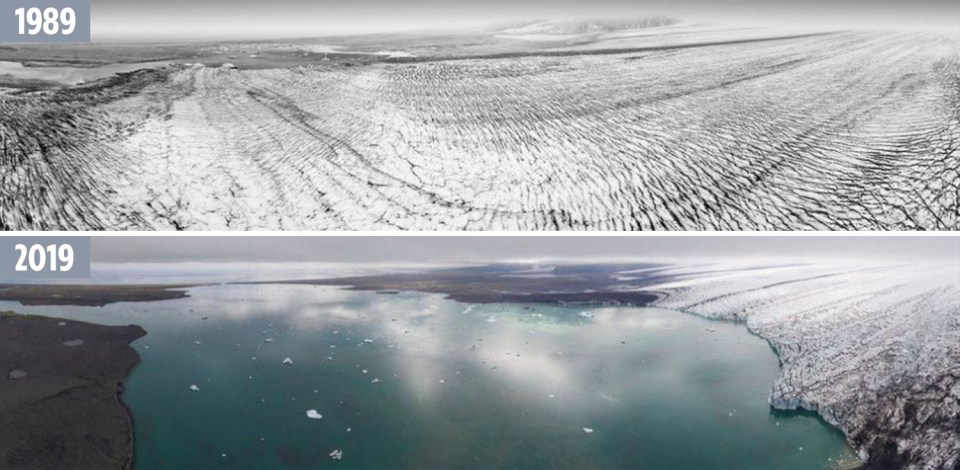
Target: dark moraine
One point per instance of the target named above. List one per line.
(90, 295)
(59, 403)
(514, 283)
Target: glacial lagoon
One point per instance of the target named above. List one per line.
(408, 380)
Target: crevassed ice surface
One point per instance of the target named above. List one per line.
(838, 131)
(481, 386)
(873, 348)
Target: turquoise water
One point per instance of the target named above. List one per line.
(475, 386)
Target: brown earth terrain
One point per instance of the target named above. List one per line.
(60, 382)
(90, 295)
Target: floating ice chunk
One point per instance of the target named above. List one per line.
(337, 454)
(442, 381)
(585, 315)
(312, 414)
(288, 361)
(196, 342)
(364, 371)
(552, 396)
(195, 388)
(367, 340)
(375, 381)
(588, 430)
(492, 319)
(228, 65)
(268, 340)
(17, 374)
(146, 346)
(349, 429)
(73, 343)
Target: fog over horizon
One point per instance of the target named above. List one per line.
(417, 250)
(213, 20)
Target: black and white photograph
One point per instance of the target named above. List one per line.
(495, 115)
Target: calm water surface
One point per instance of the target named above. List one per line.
(457, 386)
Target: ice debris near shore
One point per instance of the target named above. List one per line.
(17, 374)
(875, 349)
(73, 343)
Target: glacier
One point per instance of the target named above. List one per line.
(873, 349)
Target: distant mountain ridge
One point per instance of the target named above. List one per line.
(586, 25)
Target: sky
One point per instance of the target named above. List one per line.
(478, 249)
(188, 20)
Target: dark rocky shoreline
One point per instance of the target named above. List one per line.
(89, 295)
(62, 408)
(583, 284)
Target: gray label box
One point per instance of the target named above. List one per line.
(11, 22)
(25, 252)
